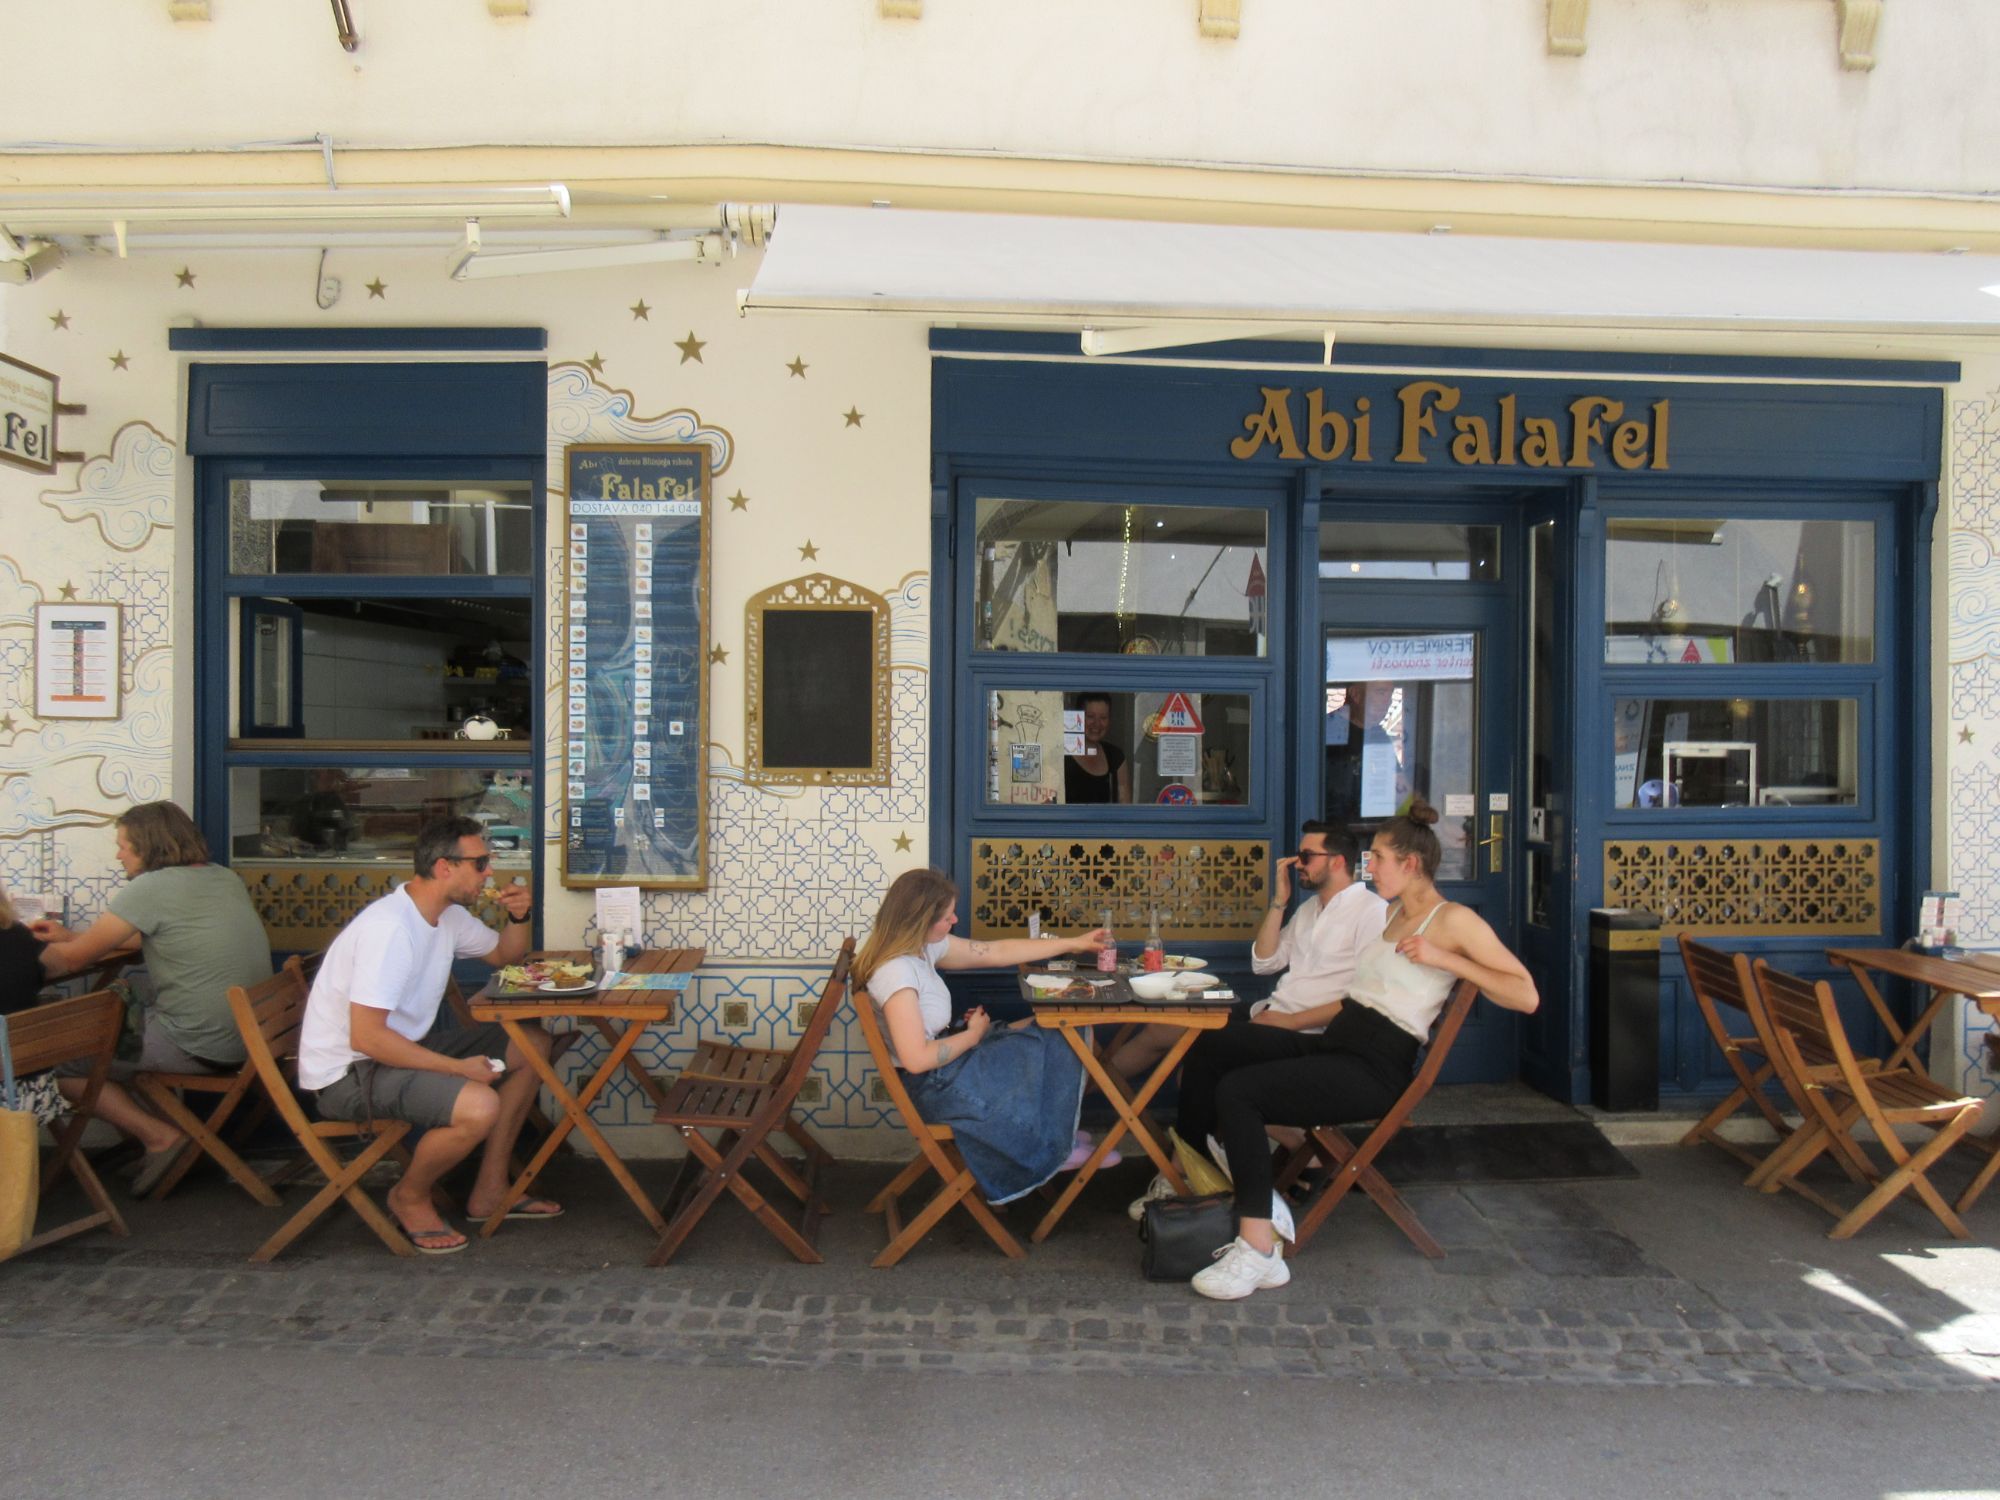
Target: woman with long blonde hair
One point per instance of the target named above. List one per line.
(1011, 1095)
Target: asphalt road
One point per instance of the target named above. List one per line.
(111, 1422)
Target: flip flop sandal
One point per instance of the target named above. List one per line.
(416, 1237)
(534, 1208)
(154, 1166)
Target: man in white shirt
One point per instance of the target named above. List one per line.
(368, 1048)
(1317, 948)
(1315, 951)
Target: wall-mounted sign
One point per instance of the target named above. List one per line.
(27, 417)
(1575, 436)
(76, 661)
(635, 804)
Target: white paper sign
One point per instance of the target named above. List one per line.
(1460, 804)
(618, 905)
(1180, 754)
(1497, 802)
(76, 661)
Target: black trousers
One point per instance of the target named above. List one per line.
(1243, 1078)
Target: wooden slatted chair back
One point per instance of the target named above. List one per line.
(806, 1050)
(1805, 1024)
(46, 1036)
(1717, 978)
(884, 1058)
(268, 1017)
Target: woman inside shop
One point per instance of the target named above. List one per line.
(1100, 774)
(198, 934)
(1010, 1094)
(1243, 1079)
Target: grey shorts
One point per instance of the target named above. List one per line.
(369, 1091)
(158, 1053)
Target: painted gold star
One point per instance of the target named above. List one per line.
(798, 366)
(378, 288)
(121, 360)
(809, 551)
(716, 655)
(1965, 735)
(902, 843)
(691, 348)
(60, 319)
(6, 723)
(184, 276)
(853, 417)
(640, 312)
(739, 501)
(595, 364)
(68, 591)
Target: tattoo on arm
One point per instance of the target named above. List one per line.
(979, 950)
(943, 1054)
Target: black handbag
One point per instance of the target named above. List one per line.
(1181, 1235)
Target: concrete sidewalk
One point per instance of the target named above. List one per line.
(1679, 1277)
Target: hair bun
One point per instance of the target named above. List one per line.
(1421, 812)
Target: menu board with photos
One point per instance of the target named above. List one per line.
(635, 699)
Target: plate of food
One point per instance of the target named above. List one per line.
(552, 987)
(546, 975)
(1180, 961)
(1197, 982)
(1050, 984)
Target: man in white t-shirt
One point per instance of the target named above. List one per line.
(368, 1048)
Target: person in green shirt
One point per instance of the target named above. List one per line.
(194, 926)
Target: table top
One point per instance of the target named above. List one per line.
(1115, 997)
(1963, 976)
(652, 1005)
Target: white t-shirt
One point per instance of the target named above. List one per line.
(388, 958)
(911, 972)
(1318, 947)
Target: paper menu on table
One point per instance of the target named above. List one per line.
(618, 909)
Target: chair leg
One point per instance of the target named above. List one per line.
(1979, 1184)
(706, 1182)
(203, 1137)
(899, 1184)
(341, 1182)
(1909, 1173)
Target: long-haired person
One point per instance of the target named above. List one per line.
(1243, 1079)
(20, 981)
(1010, 1095)
(198, 934)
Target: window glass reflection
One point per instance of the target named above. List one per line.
(1416, 552)
(398, 529)
(1172, 580)
(370, 815)
(1170, 749)
(1693, 591)
(1735, 752)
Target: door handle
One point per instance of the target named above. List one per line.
(1495, 842)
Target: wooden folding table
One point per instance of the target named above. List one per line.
(605, 1009)
(1942, 976)
(1116, 1005)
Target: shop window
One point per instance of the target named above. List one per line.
(1735, 752)
(1171, 580)
(1047, 747)
(1410, 552)
(1695, 591)
(369, 815)
(279, 526)
(388, 669)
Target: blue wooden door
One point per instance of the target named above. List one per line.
(1422, 696)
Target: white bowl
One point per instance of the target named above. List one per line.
(1161, 986)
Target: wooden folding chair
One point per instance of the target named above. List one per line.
(164, 1090)
(1721, 982)
(744, 1094)
(1840, 1093)
(935, 1154)
(269, 1015)
(47, 1036)
(1351, 1164)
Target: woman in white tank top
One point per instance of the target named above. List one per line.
(1241, 1080)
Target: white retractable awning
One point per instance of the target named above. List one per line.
(998, 268)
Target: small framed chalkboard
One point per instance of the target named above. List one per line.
(816, 687)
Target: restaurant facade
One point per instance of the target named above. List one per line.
(1698, 621)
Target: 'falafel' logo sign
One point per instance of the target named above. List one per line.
(1589, 429)
(27, 417)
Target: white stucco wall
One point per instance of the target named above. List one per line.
(1720, 91)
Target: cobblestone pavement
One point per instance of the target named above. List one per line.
(1677, 1279)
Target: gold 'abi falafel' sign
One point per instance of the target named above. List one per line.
(1416, 430)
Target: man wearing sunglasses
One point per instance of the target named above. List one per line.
(371, 1048)
(1313, 953)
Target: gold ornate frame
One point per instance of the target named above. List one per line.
(825, 594)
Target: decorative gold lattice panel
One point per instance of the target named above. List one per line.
(1205, 889)
(304, 905)
(1749, 886)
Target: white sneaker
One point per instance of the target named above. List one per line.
(1240, 1270)
(1281, 1220)
(1157, 1189)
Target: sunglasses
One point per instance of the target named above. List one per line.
(479, 862)
(1306, 856)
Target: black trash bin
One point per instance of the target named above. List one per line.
(1624, 1009)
